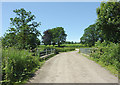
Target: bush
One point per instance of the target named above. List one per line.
(109, 54)
(56, 51)
(17, 65)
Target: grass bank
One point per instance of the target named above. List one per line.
(107, 55)
(19, 65)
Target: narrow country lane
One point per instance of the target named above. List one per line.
(72, 67)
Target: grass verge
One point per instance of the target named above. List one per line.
(33, 72)
(110, 68)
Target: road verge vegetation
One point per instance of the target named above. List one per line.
(107, 55)
(19, 65)
(57, 49)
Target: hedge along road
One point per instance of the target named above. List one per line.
(72, 67)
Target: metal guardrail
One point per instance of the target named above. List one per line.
(86, 50)
(46, 52)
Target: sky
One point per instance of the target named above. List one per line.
(74, 17)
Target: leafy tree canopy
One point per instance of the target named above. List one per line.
(55, 36)
(91, 35)
(47, 37)
(109, 20)
(23, 32)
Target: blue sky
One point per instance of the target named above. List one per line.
(74, 17)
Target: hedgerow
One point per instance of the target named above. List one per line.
(17, 65)
(107, 53)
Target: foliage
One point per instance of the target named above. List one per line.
(73, 45)
(71, 42)
(109, 54)
(47, 37)
(59, 35)
(64, 49)
(57, 49)
(55, 36)
(109, 20)
(48, 57)
(90, 36)
(17, 65)
(107, 26)
(106, 32)
(22, 33)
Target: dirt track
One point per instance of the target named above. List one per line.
(71, 67)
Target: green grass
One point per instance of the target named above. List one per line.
(60, 49)
(64, 45)
(18, 65)
(73, 45)
(107, 55)
(43, 61)
(64, 49)
(111, 68)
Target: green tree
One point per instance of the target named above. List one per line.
(58, 35)
(109, 20)
(47, 37)
(54, 36)
(23, 32)
(9, 40)
(91, 35)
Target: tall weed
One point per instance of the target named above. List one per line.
(16, 64)
(109, 54)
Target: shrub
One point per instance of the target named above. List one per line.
(17, 64)
(109, 54)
